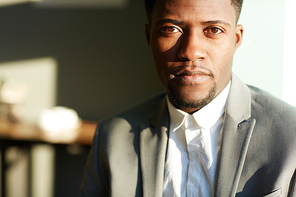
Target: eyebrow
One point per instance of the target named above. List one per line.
(178, 22)
(215, 22)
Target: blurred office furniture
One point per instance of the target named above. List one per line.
(68, 159)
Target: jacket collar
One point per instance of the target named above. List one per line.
(236, 136)
(238, 105)
(153, 145)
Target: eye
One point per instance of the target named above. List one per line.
(170, 29)
(213, 31)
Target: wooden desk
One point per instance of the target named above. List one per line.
(26, 135)
(31, 133)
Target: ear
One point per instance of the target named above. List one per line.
(239, 35)
(147, 33)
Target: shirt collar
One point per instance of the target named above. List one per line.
(205, 117)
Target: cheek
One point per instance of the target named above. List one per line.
(160, 64)
(162, 73)
(222, 62)
(164, 48)
(223, 53)
(164, 53)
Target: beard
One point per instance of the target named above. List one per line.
(191, 104)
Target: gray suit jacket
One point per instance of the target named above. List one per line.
(257, 155)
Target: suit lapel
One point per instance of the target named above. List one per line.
(153, 144)
(237, 131)
(233, 151)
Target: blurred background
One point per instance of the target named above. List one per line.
(66, 64)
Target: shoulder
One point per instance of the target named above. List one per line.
(118, 132)
(275, 119)
(267, 103)
(138, 114)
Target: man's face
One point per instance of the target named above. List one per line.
(193, 43)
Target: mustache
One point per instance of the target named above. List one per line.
(191, 70)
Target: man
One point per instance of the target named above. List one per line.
(210, 134)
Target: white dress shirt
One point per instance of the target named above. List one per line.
(193, 146)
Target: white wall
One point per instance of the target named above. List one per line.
(260, 59)
(289, 93)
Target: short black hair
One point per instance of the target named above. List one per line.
(149, 6)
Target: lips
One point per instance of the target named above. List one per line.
(190, 74)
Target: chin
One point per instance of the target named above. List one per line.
(191, 100)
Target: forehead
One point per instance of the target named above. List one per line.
(195, 10)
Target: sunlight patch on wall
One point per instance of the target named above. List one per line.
(30, 84)
(289, 93)
(70, 3)
(13, 2)
(83, 3)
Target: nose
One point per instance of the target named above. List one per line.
(191, 48)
